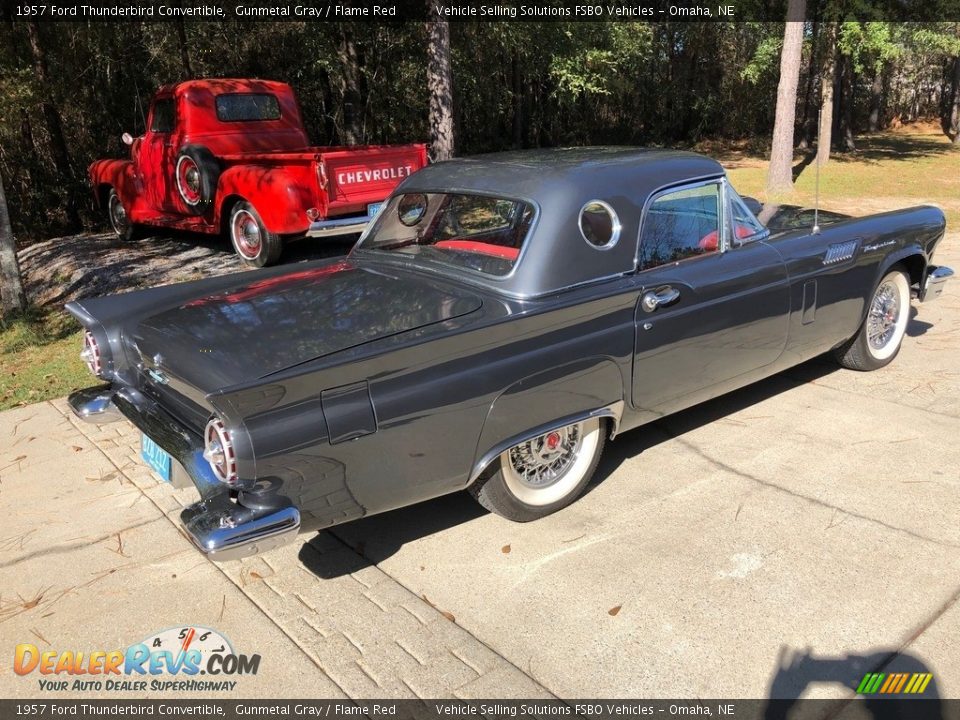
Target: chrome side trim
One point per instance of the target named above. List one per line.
(338, 226)
(94, 405)
(224, 530)
(614, 411)
(936, 280)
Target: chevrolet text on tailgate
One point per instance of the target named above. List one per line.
(232, 156)
(501, 319)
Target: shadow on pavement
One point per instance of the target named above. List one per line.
(888, 671)
(916, 328)
(376, 538)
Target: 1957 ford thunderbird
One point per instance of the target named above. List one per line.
(502, 318)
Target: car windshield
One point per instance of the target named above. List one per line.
(476, 232)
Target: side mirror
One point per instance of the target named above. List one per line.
(753, 205)
(127, 139)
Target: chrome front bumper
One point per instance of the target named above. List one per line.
(338, 226)
(219, 525)
(936, 280)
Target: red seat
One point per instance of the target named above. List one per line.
(711, 241)
(500, 251)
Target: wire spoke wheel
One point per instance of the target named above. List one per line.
(887, 317)
(552, 467)
(880, 336)
(884, 311)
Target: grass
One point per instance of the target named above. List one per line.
(888, 170)
(39, 350)
(40, 358)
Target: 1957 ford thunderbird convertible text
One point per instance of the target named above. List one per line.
(500, 320)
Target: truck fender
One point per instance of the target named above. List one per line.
(277, 194)
(116, 174)
(591, 387)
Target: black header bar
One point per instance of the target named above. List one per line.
(384, 11)
(203, 709)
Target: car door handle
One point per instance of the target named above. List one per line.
(652, 299)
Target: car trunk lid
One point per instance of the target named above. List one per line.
(262, 327)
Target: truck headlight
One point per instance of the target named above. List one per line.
(219, 452)
(91, 354)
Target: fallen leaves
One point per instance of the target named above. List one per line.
(448, 615)
(505, 549)
(614, 611)
(119, 549)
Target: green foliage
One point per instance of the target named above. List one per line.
(516, 84)
(764, 61)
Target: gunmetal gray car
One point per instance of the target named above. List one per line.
(500, 320)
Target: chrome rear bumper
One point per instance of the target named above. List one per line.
(338, 226)
(225, 530)
(94, 405)
(219, 526)
(936, 280)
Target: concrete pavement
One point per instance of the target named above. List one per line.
(783, 539)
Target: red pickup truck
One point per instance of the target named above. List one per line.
(232, 156)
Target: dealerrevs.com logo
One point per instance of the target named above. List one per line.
(187, 659)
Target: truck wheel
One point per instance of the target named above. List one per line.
(542, 475)
(197, 175)
(879, 339)
(256, 246)
(119, 220)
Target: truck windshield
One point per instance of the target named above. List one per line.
(476, 232)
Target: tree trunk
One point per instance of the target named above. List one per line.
(952, 117)
(51, 117)
(184, 50)
(846, 104)
(517, 99)
(780, 174)
(12, 297)
(807, 124)
(350, 88)
(876, 99)
(825, 132)
(440, 87)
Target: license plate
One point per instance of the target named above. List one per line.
(156, 457)
(373, 209)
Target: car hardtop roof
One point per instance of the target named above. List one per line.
(520, 173)
(219, 86)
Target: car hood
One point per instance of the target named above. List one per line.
(259, 328)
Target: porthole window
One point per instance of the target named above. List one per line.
(411, 208)
(599, 224)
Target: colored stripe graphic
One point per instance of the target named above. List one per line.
(870, 683)
(894, 683)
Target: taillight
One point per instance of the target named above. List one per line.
(91, 353)
(219, 451)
